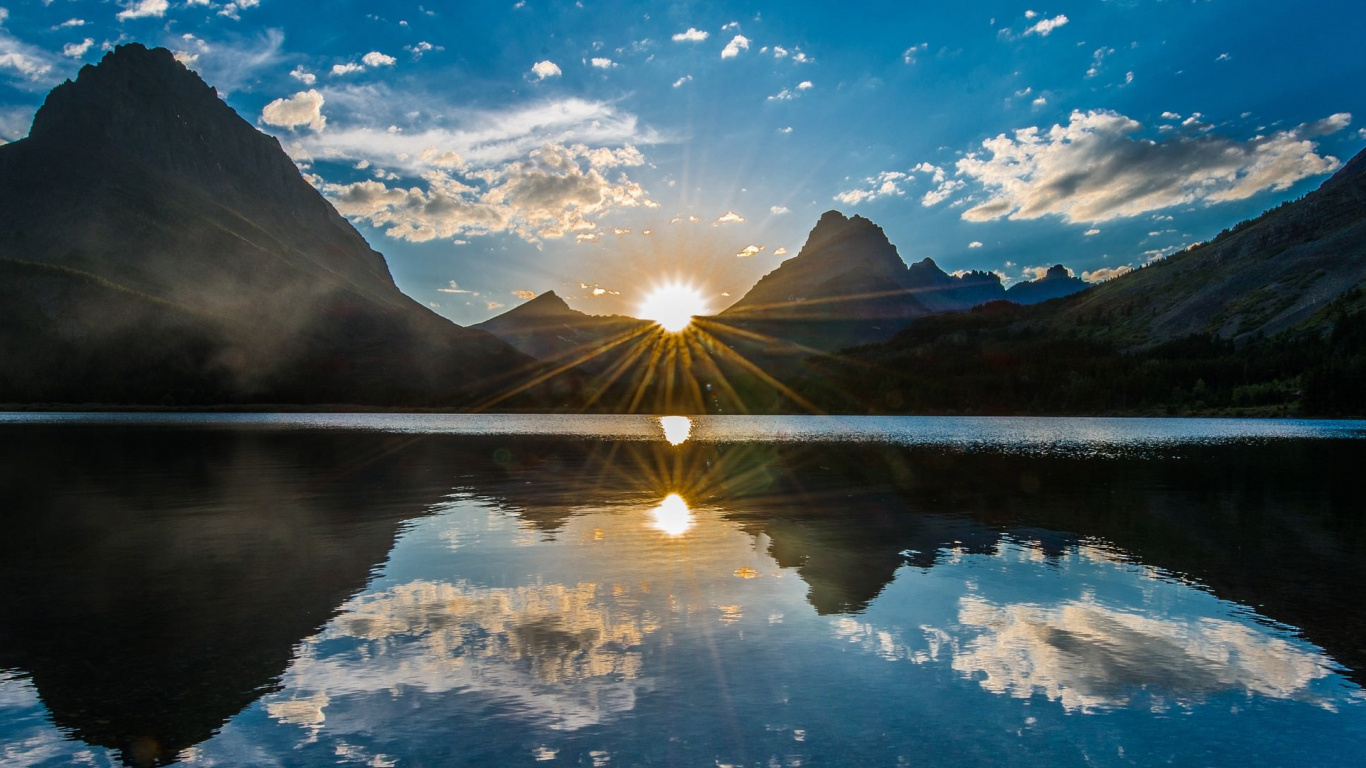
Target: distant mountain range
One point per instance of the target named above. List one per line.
(157, 248)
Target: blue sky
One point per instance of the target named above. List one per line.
(493, 151)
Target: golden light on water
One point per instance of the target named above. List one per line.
(673, 306)
(672, 516)
(676, 428)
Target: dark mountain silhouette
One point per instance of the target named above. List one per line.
(157, 247)
(848, 286)
(547, 328)
(1261, 277)
(1056, 283)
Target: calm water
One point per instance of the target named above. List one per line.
(381, 590)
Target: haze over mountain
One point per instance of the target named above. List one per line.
(548, 328)
(156, 245)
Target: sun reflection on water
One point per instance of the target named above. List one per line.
(676, 428)
(672, 516)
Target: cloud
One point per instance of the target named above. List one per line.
(1091, 232)
(944, 187)
(729, 217)
(804, 85)
(523, 294)
(303, 108)
(77, 50)
(1045, 27)
(778, 210)
(454, 288)
(1106, 273)
(141, 9)
(495, 305)
(348, 68)
(230, 66)
(733, 48)
(479, 137)
(691, 36)
(377, 59)
(780, 251)
(72, 23)
(552, 193)
(303, 76)
(749, 251)
(680, 81)
(231, 9)
(602, 63)
(421, 48)
(975, 244)
(544, 69)
(885, 184)
(1093, 169)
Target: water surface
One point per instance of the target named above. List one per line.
(382, 589)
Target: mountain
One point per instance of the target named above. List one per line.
(156, 247)
(848, 285)
(1267, 319)
(1056, 283)
(547, 328)
(1261, 277)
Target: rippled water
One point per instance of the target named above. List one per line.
(620, 591)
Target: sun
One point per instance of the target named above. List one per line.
(673, 306)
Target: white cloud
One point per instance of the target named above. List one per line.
(1224, 57)
(377, 59)
(730, 26)
(1093, 169)
(1106, 273)
(1091, 232)
(1170, 116)
(1045, 27)
(523, 294)
(77, 50)
(680, 81)
(303, 76)
(749, 251)
(975, 244)
(885, 184)
(495, 305)
(72, 23)
(733, 48)
(454, 287)
(303, 108)
(347, 69)
(544, 69)
(141, 9)
(421, 48)
(778, 210)
(783, 95)
(602, 63)
(729, 217)
(691, 36)
(804, 85)
(548, 195)
(785, 129)
(780, 251)
(910, 55)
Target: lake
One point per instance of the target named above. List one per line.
(449, 590)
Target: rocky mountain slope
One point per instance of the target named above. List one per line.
(155, 247)
(547, 328)
(1260, 277)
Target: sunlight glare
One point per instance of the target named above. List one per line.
(673, 306)
(672, 516)
(676, 428)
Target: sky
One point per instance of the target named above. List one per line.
(495, 150)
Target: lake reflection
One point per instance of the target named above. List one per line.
(250, 593)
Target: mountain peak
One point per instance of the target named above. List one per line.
(548, 303)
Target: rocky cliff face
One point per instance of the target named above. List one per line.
(149, 233)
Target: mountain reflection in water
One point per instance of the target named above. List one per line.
(250, 594)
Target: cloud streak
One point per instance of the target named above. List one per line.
(1096, 169)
